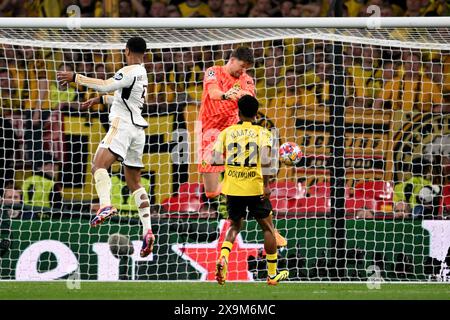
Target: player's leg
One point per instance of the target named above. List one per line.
(212, 184)
(236, 211)
(210, 174)
(133, 178)
(113, 147)
(103, 160)
(262, 211)
(133, 164)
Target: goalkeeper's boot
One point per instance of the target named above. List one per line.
(147, 244)
(103, 214)
(282, 275)
(281, 241)
(221, 270)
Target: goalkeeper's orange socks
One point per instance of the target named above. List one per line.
(226, 249)
(271, 264)
(140, 195)
(103, 186)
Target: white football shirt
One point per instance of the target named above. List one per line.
(130, 91)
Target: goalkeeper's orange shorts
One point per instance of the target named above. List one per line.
(210, 131)
(205, 156)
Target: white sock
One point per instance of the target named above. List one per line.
(140, 196)
(103, 186)
(144, 215)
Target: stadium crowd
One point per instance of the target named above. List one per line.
(220, 8)
(291, 75)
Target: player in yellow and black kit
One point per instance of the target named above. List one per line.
(245, 149)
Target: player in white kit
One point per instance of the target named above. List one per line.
(125, 138)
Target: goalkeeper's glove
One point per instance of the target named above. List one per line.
(232, 94)
(5, 244)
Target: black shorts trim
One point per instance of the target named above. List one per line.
(237, 207)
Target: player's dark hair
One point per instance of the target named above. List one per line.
(137, 45)
(248, 106)
(244, 54)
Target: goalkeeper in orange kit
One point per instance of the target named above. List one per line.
(222, 88)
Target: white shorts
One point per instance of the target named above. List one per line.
(126, 141)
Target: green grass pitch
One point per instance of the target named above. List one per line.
(212, 291)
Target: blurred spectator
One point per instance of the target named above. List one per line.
(8, 8)
(90, 8)
(266, 88)
(286, 7)
(63, 97)
(41, 188)
(125, 8)
(160, 92)
(216, 7)
(244, 7)
(100, 72)
(389, 87)
(36, 125)
(194, 8)
(158, 9)
(229, 8)
(12, 196)
(354, 8)
(310, 10)
(360, 79)
(431, 97)
(256, 12)
(8, 145)
(413, 8)
(415, 196)
(173, 11)
(131, 8)
(264, 7)
(186, 77)
(315, 93)
(282, 108)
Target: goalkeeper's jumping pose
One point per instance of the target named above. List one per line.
(246, 148)
(222, 87)
(125, 138)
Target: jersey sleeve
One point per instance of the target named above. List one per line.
(220, 142)
(120, 80)
(210, 77)
(107, 99)
(249, 85)
(266, 139)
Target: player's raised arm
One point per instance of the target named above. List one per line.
(214, 92)
(120, 80)
(105, 99)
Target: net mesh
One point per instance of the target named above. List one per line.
(396, 154)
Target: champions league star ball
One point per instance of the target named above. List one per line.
(290, 153)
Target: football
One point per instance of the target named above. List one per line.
(290, 153)
(120, 245)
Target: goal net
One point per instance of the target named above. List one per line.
(376, 185)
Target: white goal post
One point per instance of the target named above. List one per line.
(366, 99)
